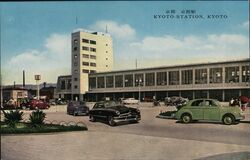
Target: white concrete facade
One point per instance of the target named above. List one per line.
(92, 52)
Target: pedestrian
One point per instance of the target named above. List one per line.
(243, 101)
(231, 102)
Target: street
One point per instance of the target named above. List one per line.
(201, 137)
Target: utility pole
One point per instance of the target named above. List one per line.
(37, 78)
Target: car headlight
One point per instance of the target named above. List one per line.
(117, 112)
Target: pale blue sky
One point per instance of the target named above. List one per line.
(40, 31)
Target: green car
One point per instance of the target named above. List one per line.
(208, 109)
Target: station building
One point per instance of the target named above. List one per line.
(217, 80)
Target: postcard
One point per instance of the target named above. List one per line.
(125, 80)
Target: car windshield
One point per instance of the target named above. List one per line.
(112, 103)
(76, 103)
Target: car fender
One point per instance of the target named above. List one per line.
(181, 112)
(235, 111)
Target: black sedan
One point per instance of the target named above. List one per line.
(114, 112)
(77, 108)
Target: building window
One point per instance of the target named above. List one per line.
(75, 79)
(106, 65)
(187, 77)
(100, 82)
(92, 42)
(93, 49)
(75, 63)
(139, 79)
(161, 78)
(75, 48)
(106, 44)
(106, 58)
(85, 40)
(85, 63)
(92, 82)
(119, 81)
(63, 84)
(75, 86)
(85, 48)
(129, 80)
(75, 71)
(150, 79)
(92, 71)
(75, 56)
(174, 78)
(85, 56)
(92, 57)
(109, 81)
(201, 76)
(93, 64)
(245, 73)
(106, 51)
(75, 41)
(85, 71)
(69, 84)
(215, 75)
(232, 74)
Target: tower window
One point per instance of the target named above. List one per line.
(92, 42)
(93, 49)
(85, 48)
(85, 63)
(85, 40)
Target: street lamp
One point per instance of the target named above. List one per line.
(37, 78)
(139, 81)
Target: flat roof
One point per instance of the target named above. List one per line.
(176, 66)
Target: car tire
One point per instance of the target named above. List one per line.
(111, 121)
(92, 118)
(75, 113)
(186, 118)
(228, 119)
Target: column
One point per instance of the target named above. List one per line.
(208, 76)
(223, 95)
(193, 76)
(240, 74)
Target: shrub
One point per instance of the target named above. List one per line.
(13, 117)
(37, 118)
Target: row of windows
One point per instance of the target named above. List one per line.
(200, 76)
(88, 41)
(88, 56)
(89, 64)
(85, 71)
(88, 49)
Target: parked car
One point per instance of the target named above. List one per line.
(130, 101)
(35, 104)
(175, 101)
(77, 108)
(210, 110)
(114, 112)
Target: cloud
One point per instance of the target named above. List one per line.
(58, 43)
(171, 50)
(51, 61)
(245, 25)
(119, 31)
